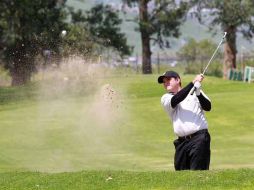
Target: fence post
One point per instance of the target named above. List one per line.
(137, 63)
(158, 62)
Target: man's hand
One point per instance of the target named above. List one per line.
(198, 78)
(197, 86)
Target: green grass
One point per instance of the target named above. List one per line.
(123, 180)
(131, 140)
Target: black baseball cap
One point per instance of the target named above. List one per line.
(168, 74)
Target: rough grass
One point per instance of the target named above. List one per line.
(123, 180)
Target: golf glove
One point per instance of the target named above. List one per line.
(197, 86)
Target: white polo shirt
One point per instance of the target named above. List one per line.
(188, 116)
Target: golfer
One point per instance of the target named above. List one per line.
(186, 110)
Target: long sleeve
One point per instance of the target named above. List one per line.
(204, 102)
(181, 95)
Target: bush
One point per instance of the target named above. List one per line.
(214, 69)
(249, 62)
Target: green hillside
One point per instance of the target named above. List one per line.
(190, 29)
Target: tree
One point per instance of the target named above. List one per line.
(188, 52)
(205, 50)
(232, 16)
(27, 28)
(197, 54)
(103, 23)
(78, 41)
(157, 23)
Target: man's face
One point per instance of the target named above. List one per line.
(171, 84)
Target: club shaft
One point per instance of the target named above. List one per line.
(214, 54)
(225, 33)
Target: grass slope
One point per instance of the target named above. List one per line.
(66, 134)
(63, 134)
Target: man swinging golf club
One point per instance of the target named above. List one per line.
(186, 110)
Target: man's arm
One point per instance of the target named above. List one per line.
(181, 95)
(204, 102)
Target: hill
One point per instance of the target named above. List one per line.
(190, 29)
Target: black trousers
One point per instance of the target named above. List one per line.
(193, 152)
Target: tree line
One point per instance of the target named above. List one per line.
(32, 28)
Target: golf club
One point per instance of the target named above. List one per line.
(225, 33)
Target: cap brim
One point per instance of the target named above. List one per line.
(160, 79)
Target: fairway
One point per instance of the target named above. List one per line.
(99, 95)
(112, 133)
(78, 132)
